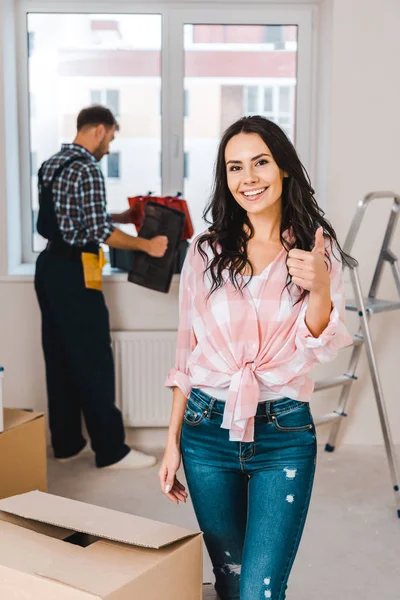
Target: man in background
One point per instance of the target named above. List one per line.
(75, 322)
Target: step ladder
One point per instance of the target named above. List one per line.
(365, 307)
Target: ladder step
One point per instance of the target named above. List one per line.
(358, 340)
(329, 418)
(326, 384)
(373, 305)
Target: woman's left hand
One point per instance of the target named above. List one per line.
(308, 269)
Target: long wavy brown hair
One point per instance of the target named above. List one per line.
(230, 228)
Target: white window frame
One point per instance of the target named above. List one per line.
(174, 17)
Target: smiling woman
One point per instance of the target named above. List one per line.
(245, 347)
(260, 186)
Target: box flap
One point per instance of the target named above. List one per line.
(93, 520)
(53, 531)
(15, 418)
(30, 553)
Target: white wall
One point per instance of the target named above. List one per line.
(131, 308)
(359, 129)
(359, 153)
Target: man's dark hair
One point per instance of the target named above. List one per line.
(96, 115)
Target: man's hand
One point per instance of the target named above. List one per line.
(125, 217)
(157, 246)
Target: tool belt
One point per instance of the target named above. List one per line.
(90, 256)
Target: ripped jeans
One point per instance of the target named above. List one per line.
(250, 499)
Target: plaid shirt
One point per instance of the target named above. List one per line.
(79, 196)
(238, 342)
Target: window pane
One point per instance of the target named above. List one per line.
(274, 34)
(115, 60)
(113, 165)
(268, 99)
(95, 97)
(227, 73)
(112, 101)
(284, 99)
(252, 99)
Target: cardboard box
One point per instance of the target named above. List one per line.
(23, 463)
(118, 557)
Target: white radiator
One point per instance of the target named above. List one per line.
(142, 361)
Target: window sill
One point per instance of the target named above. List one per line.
(26, 272)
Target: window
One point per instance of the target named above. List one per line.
(105, 31)
(108, 98)
(273, 102)
(268, 99)
(284, 99)
(232, 65)
(231, 71)
(112, 101)
(96, 97)
(252, 99)
(124, 70)
(274, 34)
(113, 165)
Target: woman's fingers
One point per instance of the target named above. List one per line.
(181, 497)
(179, 491)
(295, 253)
(176, 495)
(295, 272)
(172, 487)
(301, 282)
(180, 486)
(172, 497)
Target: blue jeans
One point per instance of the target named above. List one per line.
(250, 499)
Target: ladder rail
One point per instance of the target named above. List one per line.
(365, 308)
(385, 254)
(396, 274)
(358, 217)
(344, 396)
(382, 411)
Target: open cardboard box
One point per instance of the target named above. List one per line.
(52, 548)
(23, 461)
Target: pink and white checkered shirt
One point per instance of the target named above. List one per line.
(237, 341)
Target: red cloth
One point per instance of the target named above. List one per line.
(138, 203)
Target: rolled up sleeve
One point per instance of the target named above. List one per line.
(179, 376)
(335, 336)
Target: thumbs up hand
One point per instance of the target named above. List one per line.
(308, 269)
(319, 244)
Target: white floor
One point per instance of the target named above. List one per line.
(351, 546)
